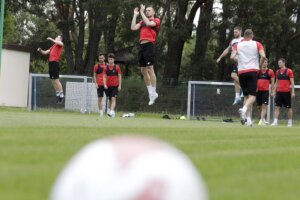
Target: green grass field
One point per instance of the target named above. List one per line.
(237, 163)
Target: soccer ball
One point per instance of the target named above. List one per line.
(129, 168)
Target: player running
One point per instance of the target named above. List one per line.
(246, 54)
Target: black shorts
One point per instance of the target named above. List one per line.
(112, 92)
(100, 90)
(146, 56)
(234, 68)
(283, 99)
(248, 82)
(54, 70)
(262, 97)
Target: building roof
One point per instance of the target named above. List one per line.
(17, 47)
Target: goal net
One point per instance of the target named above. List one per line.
(80, 93)
(213, 100)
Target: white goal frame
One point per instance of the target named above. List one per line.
(191, 98)
(32, 98)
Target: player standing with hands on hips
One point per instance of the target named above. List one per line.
(148, 27)
(54, 57)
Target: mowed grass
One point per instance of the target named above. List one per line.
(261, 163)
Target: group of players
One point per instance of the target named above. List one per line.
(107, 76)
(252, 75)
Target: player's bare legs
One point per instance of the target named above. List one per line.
(58, 88)
(276, 115)
(246, 111)
(237, 88)
(150, 81)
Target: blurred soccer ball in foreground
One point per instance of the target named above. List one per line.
(129, 168)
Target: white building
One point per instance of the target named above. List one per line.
(14, 74)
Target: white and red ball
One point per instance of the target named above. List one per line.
(129, 168)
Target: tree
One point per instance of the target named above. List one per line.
(179, 31)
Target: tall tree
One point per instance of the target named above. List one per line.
(202, 38)
(179, 30)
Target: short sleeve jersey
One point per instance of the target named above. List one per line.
(112, 73)
(248, 55)
(55, 52)
(235, 41)
(283, 77)
(263, 80)
(99, 69)
(147, 32)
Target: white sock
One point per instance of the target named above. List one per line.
(61, 94)
(275, 120)
(244, 109)
(237, 95)
(290, 121)
(249, 120)
(57, 94)
(149, 87)
(153, 89)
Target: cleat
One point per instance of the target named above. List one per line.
(261, 123)
(152, 98)
(236, 101)
(249, 124)
(242, 116)
(111, 114)
(274, 124)
(265, 122)
(60, 100)
(242, 95)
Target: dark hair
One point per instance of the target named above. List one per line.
(101, 54)
(282, 59)
(151, 6)
(111, 55)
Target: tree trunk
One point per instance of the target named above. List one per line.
(177, 36)
(202, 38)
(95, 32)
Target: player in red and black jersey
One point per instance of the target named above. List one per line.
(99, 69)
(54, 56)
(265, 76)
(148, 27)
(284, 91)
(112, 83)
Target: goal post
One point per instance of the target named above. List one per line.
(202, 97)
(80, 93)
(214, 99)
